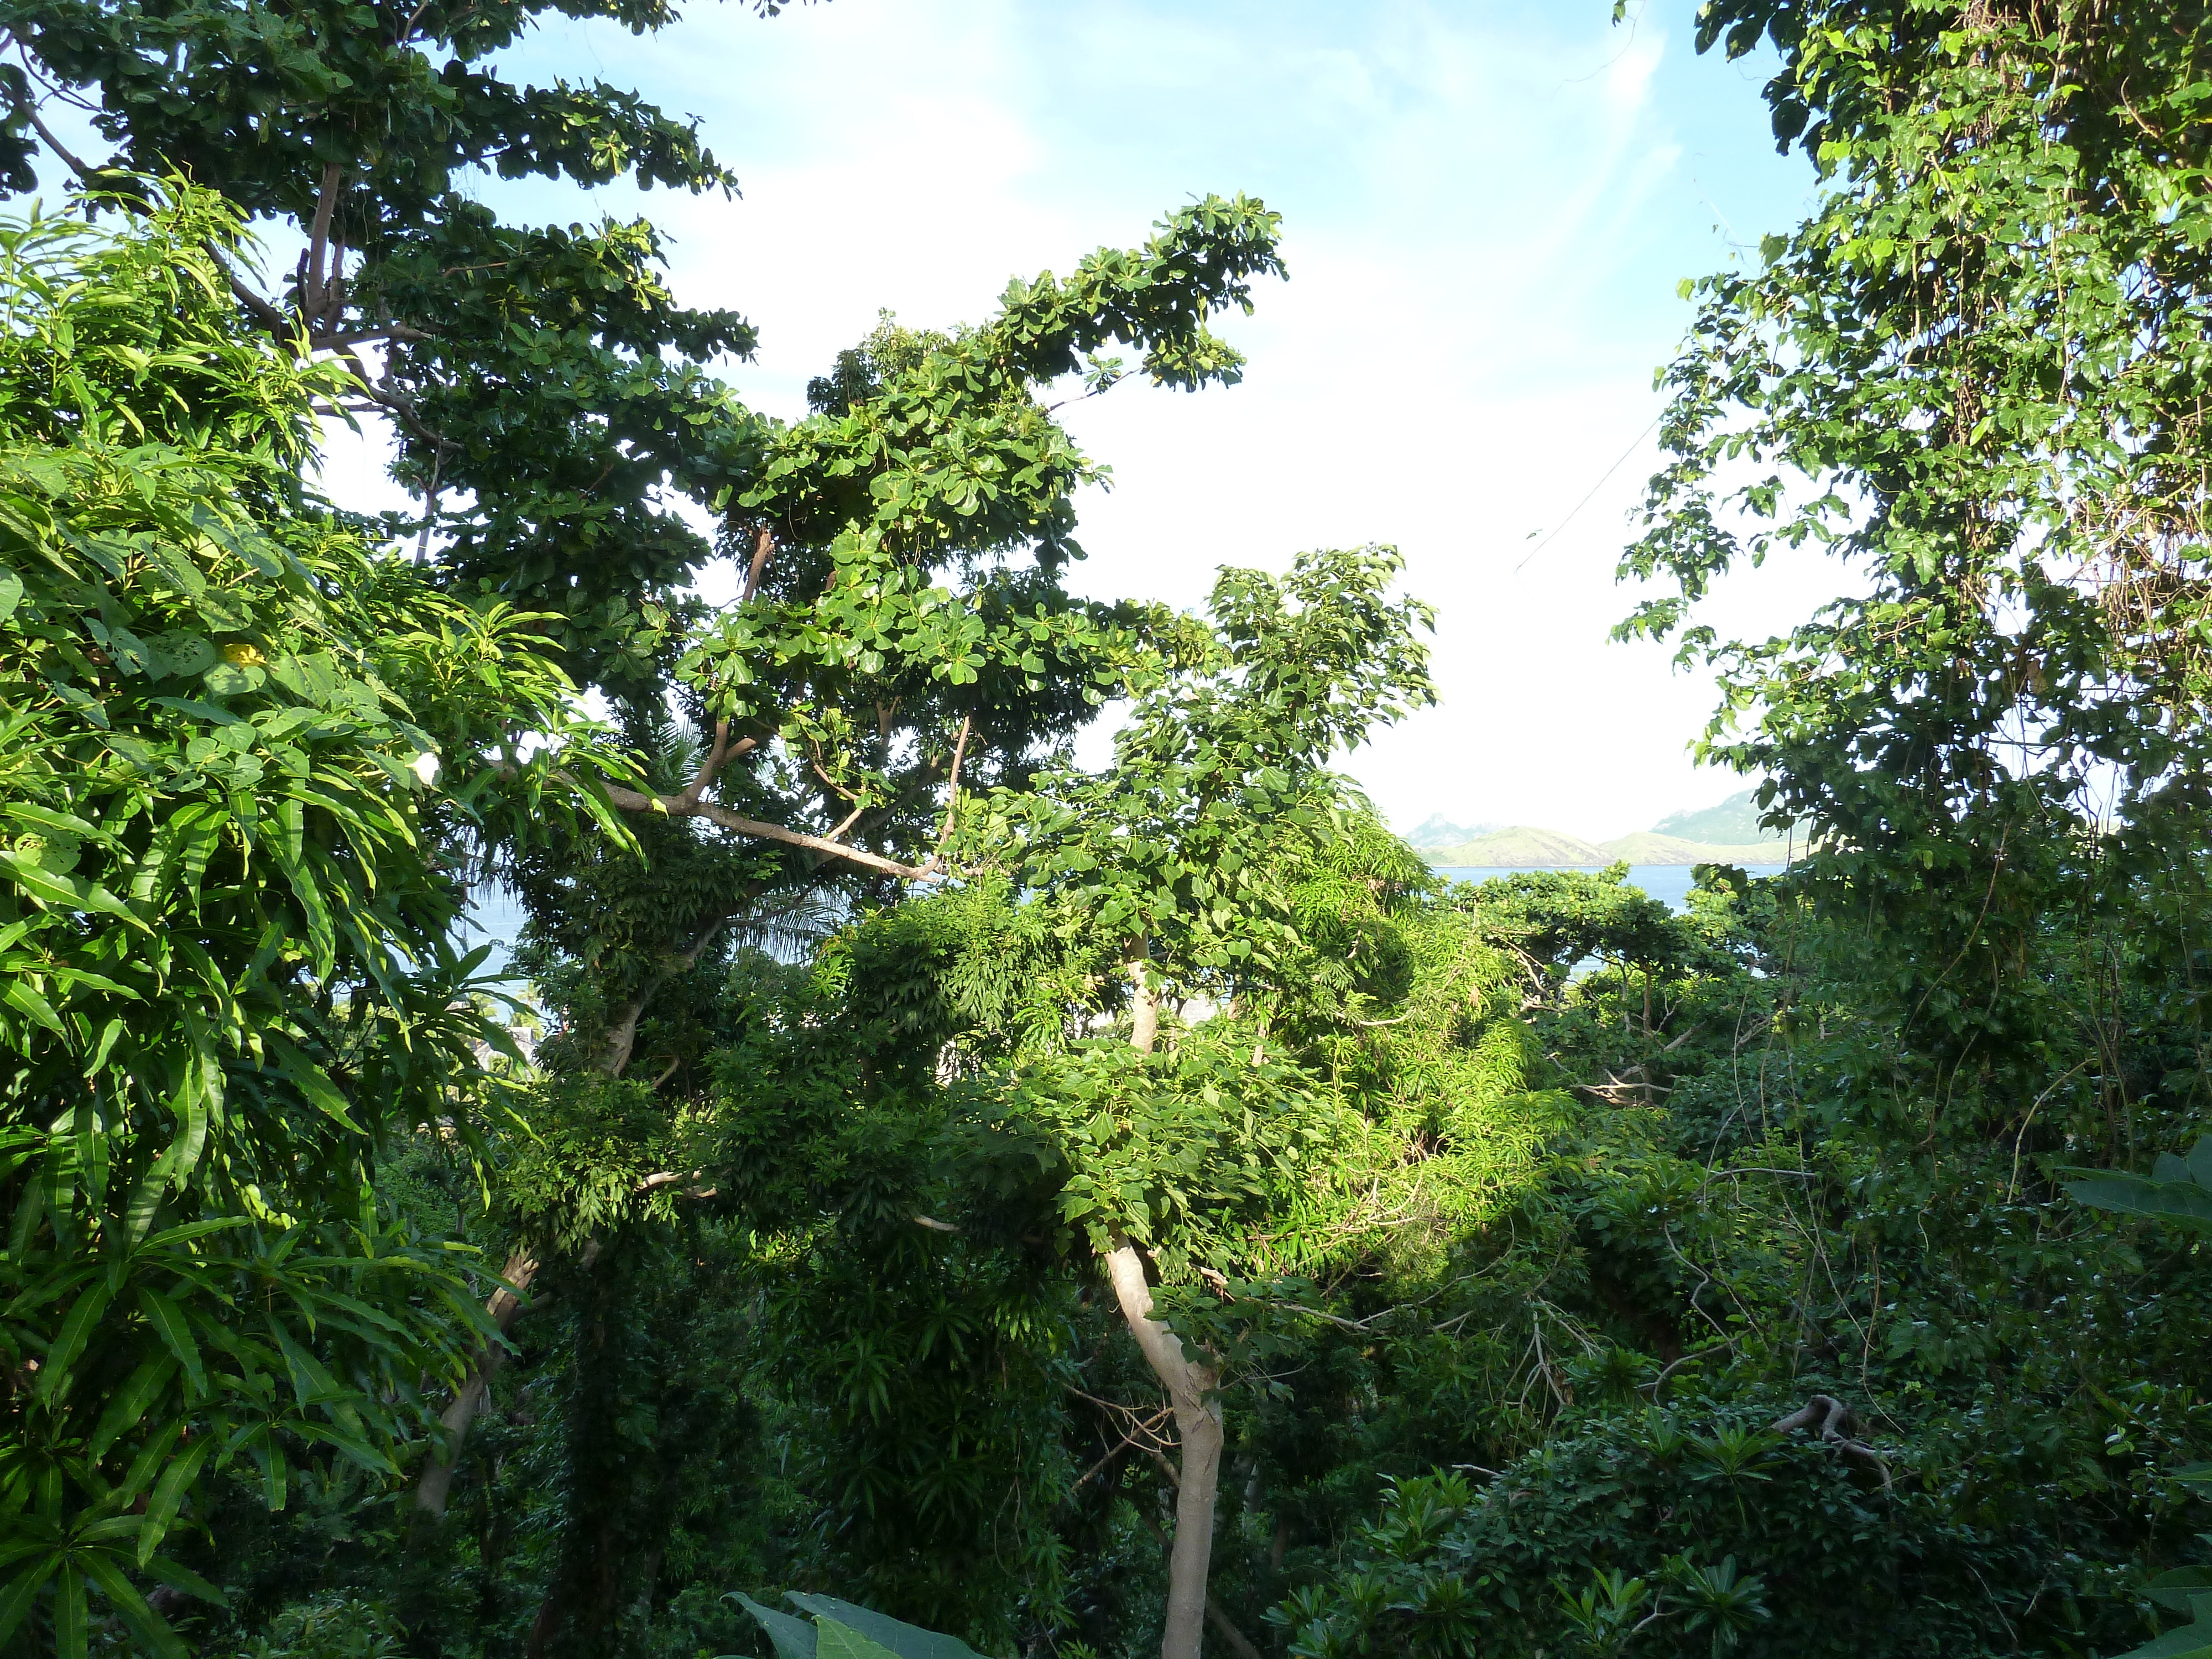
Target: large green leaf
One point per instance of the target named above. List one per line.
(905, 1640)
(793, 1639)
(834, 1640)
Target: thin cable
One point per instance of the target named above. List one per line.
(1594, 488)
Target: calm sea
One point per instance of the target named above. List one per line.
(1669, 882)
(495, 916)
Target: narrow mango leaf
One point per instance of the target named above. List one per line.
(169, 1495)
(16, 1602)
(152, 1460)
(130, 1404)
(19, 995)
(168, 1322)
(308, 1078)
(183, 1578)
(152, 1630)
(64, 892)
(59, 1372)
(68, 1613)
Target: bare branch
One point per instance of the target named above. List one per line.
(719, 756)
(1835, 1422)
(311, 285)
(46, 135)
(763, 547)
(382, 332)
(952, 800)
(630, 800)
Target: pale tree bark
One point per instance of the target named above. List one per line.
(1144, 1009)
(504, 1306)
(1198, 1428)
(1198, 1419)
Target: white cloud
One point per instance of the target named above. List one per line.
(1486, 210)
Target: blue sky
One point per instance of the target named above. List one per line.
(1487, 208)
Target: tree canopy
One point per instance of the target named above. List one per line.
(986, 1203)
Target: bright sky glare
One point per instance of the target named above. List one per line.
(1487, 208)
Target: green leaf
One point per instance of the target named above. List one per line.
(2175, 1589)
(130, 1403)
(68, 1612)
(169, 1493)
(58, 1374)
(64, 892)
(836, 1640)
(303, 1073)
(22, 1593)
(792, 1638)
(168, 1323)
(149, 1627)
(905, 1640)
(18, 995)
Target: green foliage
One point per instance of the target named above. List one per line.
(1971, 374)
(1185, 1151)
(222, 923)
(843, 1630)
(906, 544)
(1172, 856)
(545, 375)
(334, 1627)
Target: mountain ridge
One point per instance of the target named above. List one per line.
(1730, 833)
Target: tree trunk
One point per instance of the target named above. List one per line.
(584, 1591)
(504, 1306)
(1198, 1419)
(622, 1036)
(1144, 1008)
(1199, 1427)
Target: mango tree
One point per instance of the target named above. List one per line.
(227, 981)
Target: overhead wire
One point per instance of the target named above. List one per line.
(1594, 488)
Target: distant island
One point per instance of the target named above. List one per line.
(1730, 833)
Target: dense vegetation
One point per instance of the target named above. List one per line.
(1079, 1211)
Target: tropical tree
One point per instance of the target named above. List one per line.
(233, 740)
(1971, 374)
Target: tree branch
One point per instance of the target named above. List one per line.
(763, 546)
(675, 806)
(46, 137)
(1835, 1421)
(504, 1307)
(311, 283)
(719, 756)
(952, 799)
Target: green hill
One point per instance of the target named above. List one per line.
(1518, 845)
(1734, 822)
(1441, 831)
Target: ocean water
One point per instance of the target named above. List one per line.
(1667, 883)
(494, 916)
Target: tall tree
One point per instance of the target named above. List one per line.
(1173, 861)
(547, 381)
(227, 981)
(1974, 374)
